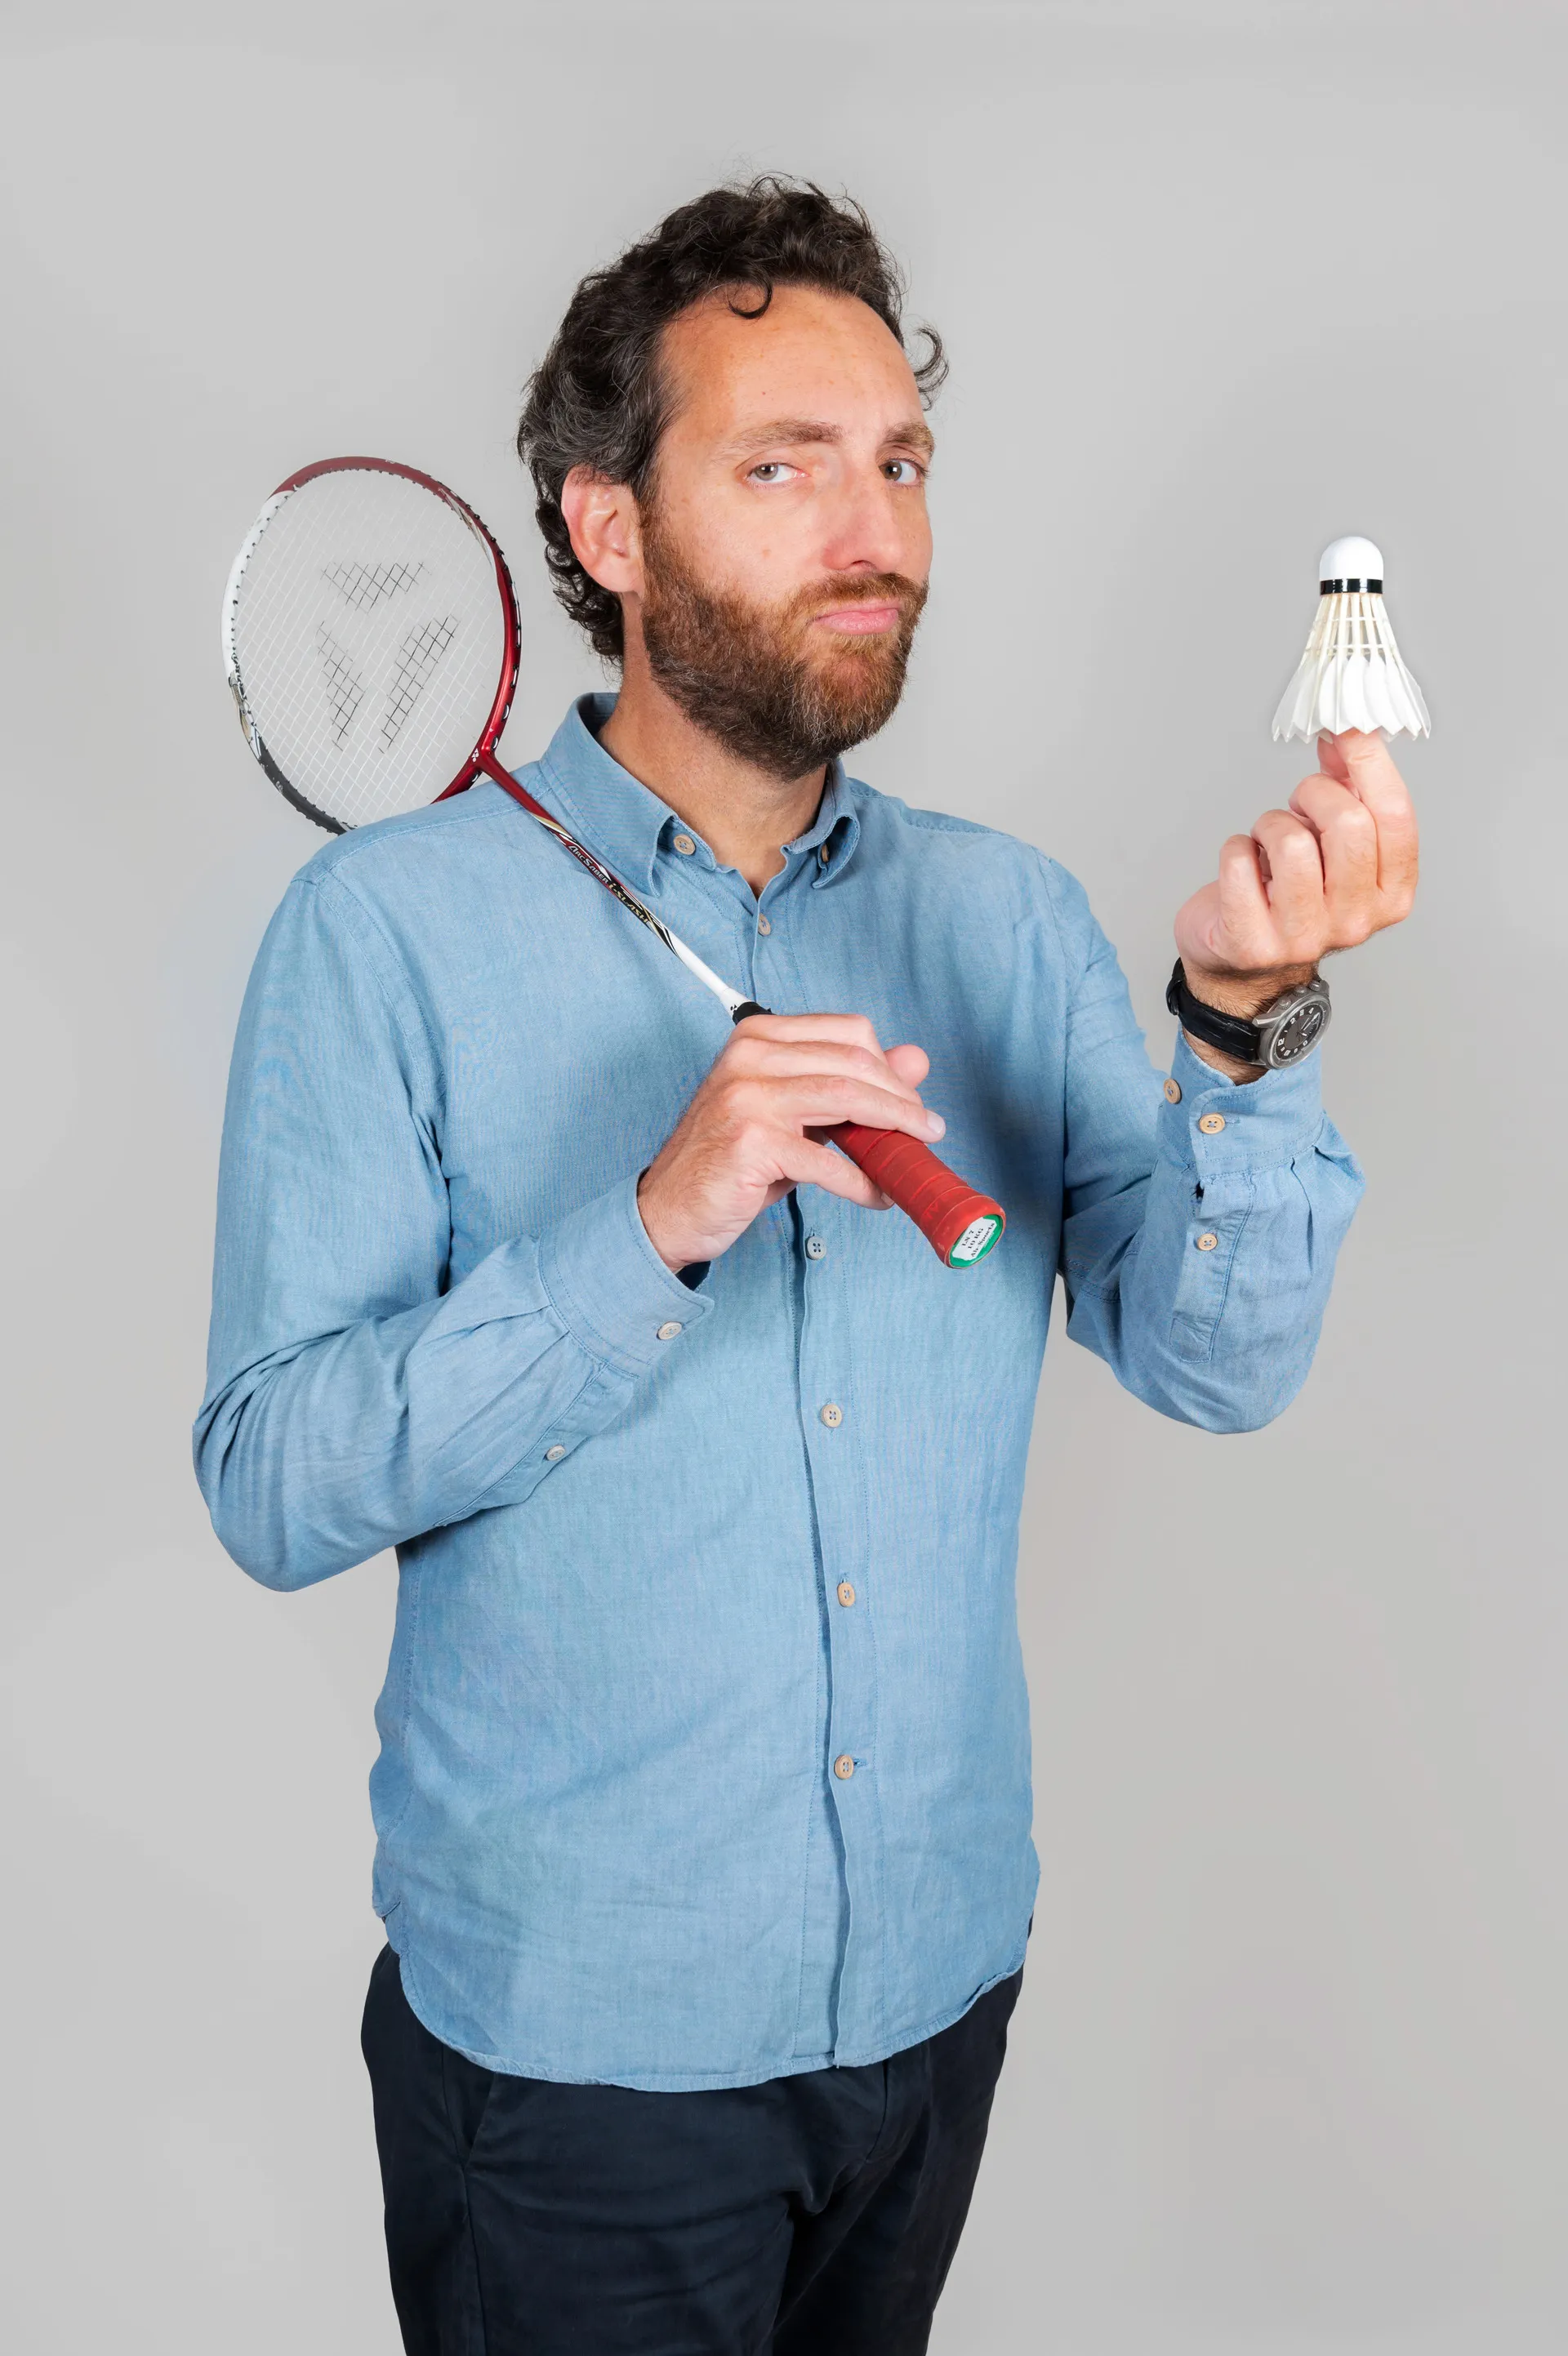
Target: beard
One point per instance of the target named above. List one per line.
(757, 677)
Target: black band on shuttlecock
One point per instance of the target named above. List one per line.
(1343, 588)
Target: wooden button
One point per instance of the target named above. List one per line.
(846, 1594)
(1206, 1243)
(554, 1455)
(844, 1768)
(1173, 1092)
(1212, 1123)
(832, 1416)
(668, 1332)
(684, 845)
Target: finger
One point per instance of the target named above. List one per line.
(819, 1100)
(1295, 876)
(1369, 772)
(1347, 845)
(1245, 929)
(772, 1059)
(809, 1163)
(850, 1029)
(909, 1064)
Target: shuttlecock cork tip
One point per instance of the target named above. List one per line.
(1350, 563)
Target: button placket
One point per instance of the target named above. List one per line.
(830, 1419)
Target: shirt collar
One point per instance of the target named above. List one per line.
(628, 824)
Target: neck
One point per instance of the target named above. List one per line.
(743, 814)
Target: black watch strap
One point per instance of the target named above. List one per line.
(1232, 1033)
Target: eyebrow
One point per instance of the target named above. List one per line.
(914, 433)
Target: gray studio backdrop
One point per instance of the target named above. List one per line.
(1218, 283)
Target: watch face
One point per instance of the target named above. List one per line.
(1301, 1029)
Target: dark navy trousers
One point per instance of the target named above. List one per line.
(810, 2216)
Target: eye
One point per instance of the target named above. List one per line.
(770, 471)
(904, 471)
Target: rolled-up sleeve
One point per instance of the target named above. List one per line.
(356, 1397)
(1201, 1221)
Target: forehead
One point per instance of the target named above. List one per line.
(811, 354)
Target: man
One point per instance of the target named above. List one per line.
(703, 1794)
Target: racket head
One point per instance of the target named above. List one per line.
(369, 639)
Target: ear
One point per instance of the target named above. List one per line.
(606, 533)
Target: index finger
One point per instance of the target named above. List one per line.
(1362, 761)
(794, 1030)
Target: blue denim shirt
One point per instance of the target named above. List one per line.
(705, 1739)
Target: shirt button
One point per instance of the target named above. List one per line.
(1206, 1243)
(823, 853)
(1212, 1123)
(553, 1455)
(763, 925)
(843, 1767)
(668, 1332)
(832, 1416)
(815, 1247)
(684, 845)
(846, 1594)
(1173, 1092)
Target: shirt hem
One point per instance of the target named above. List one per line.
(700, 2082)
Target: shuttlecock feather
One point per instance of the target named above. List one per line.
(1351, 675)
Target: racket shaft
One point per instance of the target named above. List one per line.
(944, 1206)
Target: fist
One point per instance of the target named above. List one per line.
(1337, 865)
(749, 1133)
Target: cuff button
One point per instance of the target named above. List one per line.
(668, 1332)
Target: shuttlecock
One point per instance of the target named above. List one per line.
(1351, 675)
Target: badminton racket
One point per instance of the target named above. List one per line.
(370, 642)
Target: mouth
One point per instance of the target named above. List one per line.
(864, 621)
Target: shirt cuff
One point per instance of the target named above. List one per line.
(1259, 1124)
(610, 1289)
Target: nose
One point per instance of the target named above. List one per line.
(875, 525)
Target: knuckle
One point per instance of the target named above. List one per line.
(738, 1104)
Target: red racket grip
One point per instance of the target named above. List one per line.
(957, 1221)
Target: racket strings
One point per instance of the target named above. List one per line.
(367, 638)
(417, 657)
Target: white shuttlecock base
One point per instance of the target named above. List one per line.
(1351, 676)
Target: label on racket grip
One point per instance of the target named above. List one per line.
(976, 1240)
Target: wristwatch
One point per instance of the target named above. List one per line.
(1281, 1033)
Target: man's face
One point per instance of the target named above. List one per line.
(785, 543)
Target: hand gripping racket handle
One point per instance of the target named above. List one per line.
(957, 1221)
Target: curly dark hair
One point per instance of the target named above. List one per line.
(599, 398)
